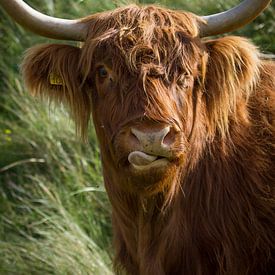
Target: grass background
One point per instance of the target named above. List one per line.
(54, 212)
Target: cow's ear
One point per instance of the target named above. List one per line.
(231, 73)
(52, 72)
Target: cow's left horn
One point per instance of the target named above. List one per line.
(42, 24)
(232, 19)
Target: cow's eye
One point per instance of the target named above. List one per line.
(102, 72)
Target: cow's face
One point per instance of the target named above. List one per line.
(137, 73)
(143, 101)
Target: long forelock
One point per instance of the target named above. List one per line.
(148, 41)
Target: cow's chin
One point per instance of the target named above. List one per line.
(150, 174)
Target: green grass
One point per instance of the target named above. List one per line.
(54, 212)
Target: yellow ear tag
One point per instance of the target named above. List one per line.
(55, 79)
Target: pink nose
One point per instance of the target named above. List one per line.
(155, 141)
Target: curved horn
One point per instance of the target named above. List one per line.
(42, 24)
(232, 19)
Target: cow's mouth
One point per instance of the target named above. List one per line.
(142, 161)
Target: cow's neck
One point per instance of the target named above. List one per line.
(142, 229)
(159, 233)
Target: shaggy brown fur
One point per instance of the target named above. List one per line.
(212, 211)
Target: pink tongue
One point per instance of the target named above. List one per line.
(140, 158)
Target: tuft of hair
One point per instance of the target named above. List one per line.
(232, 72)
(51, 72)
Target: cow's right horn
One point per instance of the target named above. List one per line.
(232, 19)
(44, 25)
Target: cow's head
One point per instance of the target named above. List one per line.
(141, 74)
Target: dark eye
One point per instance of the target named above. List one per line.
(102, 72)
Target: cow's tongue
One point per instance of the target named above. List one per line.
(140, 159)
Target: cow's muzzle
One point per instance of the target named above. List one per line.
(156, 147)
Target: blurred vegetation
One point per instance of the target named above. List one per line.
(54, 213)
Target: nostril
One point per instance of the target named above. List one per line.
(141, 136)
(170, 137)
(133, 137)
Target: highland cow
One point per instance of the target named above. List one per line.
(185, 127)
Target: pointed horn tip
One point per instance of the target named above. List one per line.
(232, 19)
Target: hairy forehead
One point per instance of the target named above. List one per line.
(143, 18)
(147, 27)
(139, 37)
